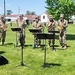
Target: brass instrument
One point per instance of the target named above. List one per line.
(1, 30)
(2, 24)
(0, 34)
(3, 27)
(51, 25)
(39, 26)
(60, 26)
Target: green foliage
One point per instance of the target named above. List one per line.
(30, 13)
(57, 7)
(33, 58)
(9, 12)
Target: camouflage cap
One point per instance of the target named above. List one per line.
(61, 15)
(21, 15)
(50, 16)
(36, 17)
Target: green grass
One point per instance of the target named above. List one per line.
(33, 58)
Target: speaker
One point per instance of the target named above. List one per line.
(3, 60)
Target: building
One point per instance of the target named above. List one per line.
(12, 17)
(44, 17)
(30, 17)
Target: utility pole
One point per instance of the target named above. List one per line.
(4, 8)
(19, 10)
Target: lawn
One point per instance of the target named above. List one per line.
(61, 62)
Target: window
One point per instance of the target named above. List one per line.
(43, 17)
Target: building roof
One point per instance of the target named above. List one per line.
(30, 17)
(13, 15)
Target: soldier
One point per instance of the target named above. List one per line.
(37, 25)
(62, 25)
(51, 27)
(2, 29)
(21, 23)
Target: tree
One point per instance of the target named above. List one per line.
(9, 12)
(33, 13)
(57, 7)
(29, 12)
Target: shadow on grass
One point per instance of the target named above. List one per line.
(27, 45)
(49, 65)
(60, 48)
(8, 43)
(70, 36)
(1, 52)
(54, 46)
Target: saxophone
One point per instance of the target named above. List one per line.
(3, 28)
(51, 26)
(2, 25)
(60, 26)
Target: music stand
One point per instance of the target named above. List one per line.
(35, 31)
(53, 31)
(15, 30)
(22, 44)
(45, 36)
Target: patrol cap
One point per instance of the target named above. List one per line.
(50, 16)
(61, 15)
(36, 17)
(21, 15)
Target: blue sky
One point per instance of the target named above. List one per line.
(38, 6)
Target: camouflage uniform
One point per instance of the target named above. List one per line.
(37, 25)
(51, 27)
(2, 29)
(62, 25)
(21, 23)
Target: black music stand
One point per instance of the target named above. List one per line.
(53, 31)
(34, 31)
(45, 36)
(22, 44)
(16, 29)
